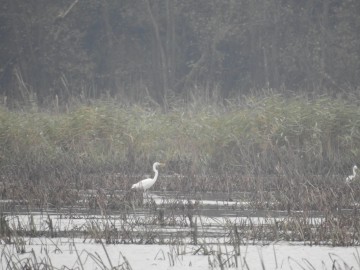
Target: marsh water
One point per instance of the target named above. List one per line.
(164, 215)
(169, 229)
(210, 204)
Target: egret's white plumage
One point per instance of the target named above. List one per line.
(351, 177)
(149, 182)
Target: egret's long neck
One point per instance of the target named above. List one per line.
(354, 171)
(156, 173)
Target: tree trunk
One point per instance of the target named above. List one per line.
(163, 69)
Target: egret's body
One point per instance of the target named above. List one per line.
(149, 182)
(351, 177)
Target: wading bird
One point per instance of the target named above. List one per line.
(351, 177)
(148, 183)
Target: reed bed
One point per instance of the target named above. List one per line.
(256, 144)
(290, 154)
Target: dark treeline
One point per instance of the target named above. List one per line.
(166, 48)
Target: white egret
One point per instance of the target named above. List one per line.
(351, 177)
(149, 182)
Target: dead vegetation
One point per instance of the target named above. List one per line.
(284, 154)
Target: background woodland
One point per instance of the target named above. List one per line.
(168, 49)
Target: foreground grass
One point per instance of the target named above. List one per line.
(75, 253)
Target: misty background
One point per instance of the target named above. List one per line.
(161, 50)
